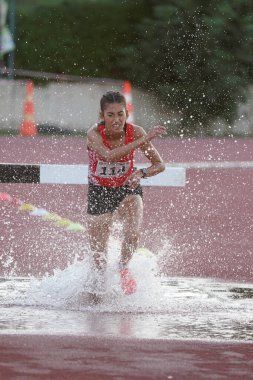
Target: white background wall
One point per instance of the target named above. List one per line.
(70, 105)
(75, 106)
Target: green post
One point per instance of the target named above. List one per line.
(12, 26)
(1, 54)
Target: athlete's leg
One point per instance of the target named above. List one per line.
(131, 214)
(98, 233)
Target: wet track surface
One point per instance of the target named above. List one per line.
(183, 308)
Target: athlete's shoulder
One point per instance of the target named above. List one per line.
(93, 131)
(94, 136)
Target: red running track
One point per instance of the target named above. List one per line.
(28, 357)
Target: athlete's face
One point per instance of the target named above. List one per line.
(114, 116)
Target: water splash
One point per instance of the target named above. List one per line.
(69, 288)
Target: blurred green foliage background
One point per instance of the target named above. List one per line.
(196, 56)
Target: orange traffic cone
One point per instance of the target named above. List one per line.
(28, 126)
(127, 92)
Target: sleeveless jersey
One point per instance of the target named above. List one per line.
(114, 174)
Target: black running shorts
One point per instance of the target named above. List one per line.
(103, 199)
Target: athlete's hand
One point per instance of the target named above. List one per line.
(134, 180)
(155, 132)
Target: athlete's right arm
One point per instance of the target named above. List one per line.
(95, 142)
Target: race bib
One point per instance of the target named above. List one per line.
(115, 170)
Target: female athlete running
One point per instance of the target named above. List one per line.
(114, 182)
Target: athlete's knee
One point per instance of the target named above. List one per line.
(97, 245)
(132, 228)
(132, 239)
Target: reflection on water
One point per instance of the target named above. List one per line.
(179, 308)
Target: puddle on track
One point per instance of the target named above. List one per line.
(164, 308)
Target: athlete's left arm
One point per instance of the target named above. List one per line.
(157, 164)
(148, 149)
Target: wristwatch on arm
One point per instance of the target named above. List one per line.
(144, 172)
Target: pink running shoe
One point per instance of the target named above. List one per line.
(128, 283)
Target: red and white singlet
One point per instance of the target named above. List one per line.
(114, 174)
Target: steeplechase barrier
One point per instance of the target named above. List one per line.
(78, 175)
